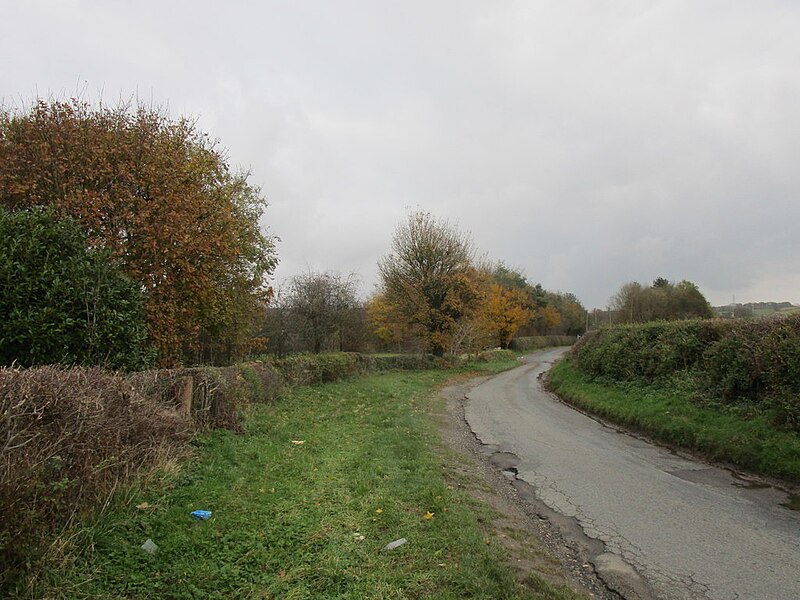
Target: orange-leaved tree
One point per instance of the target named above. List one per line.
(503, 312)
(160, 196)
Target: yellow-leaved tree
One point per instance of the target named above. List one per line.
(503, 312)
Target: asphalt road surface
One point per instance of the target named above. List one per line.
(688, 530)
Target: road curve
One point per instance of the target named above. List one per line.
(691, 531)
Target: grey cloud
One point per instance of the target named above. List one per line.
(588, 143)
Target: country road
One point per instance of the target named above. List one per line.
(688, 530)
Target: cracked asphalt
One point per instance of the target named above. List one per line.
(672, 527)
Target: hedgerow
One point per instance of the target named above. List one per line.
(536, 342)
(71, 435)
(731, 362)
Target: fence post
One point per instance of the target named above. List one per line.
(186, 396)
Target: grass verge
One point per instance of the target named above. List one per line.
(303, 505)
(668, 415)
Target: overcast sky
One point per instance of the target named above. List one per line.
(586, 143)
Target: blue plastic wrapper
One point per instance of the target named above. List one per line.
(201, 515)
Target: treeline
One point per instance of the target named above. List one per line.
(636, 303)
(434, 297)
(751, 309)
(750, 364)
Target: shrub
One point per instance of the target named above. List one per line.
(490, 355)
(70, 435)
(751, 361)
(63, 302)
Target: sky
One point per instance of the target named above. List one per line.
(586, 144)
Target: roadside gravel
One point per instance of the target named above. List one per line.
(538, 544)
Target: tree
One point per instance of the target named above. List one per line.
(573, 314)
(662, 300)
(388, 324)
(688, 302)
(160, 197)
(503, 312)
(429, 279)
(551, 317)
(63, 302)
(318, 310)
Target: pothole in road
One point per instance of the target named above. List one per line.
(505, 461)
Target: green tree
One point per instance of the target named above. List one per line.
(428, 277)
(635, 303)
(63, 302)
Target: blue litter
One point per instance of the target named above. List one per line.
(201, 515)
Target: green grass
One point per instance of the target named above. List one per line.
(306, 520)
(667, 414)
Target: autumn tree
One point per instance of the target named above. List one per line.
(160, 197)
(503, 311)
(428, 278)
(389, 325)
(552, 312)
(572, 313)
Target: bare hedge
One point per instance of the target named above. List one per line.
(69, 436)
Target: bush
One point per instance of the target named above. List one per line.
(306, 369)
(70, 435)
(744, 361)
(536, 342)
(758, 361)
(490, 355)
(648, 351)
(63, 302)
(400, 362)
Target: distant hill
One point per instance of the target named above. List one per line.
(755, 309)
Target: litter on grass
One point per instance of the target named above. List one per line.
(149, 546)
(201, 515)
(395, 544)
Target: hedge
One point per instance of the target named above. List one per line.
(754, 361)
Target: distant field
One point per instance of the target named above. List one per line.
(759, 309)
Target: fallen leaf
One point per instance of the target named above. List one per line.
(142, 506)
(428, 516)
(378, 511)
